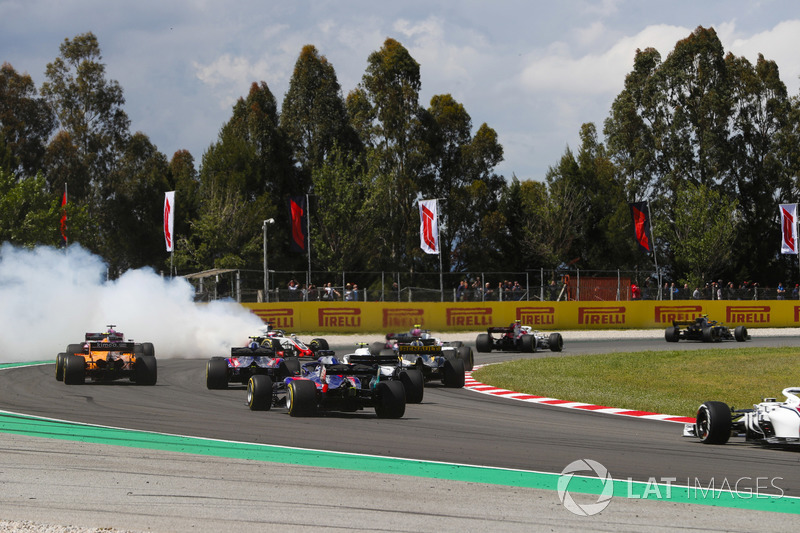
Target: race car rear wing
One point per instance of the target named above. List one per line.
(112, 346)
(430, 350)
(101, 336)
(373, 359)
(500, 329)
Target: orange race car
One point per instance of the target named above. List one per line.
(105, 357)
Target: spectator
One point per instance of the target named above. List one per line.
(488, 293)
(796, 292)
(636, 294)
(461, 290)
(780, 291)
(553, 290)
(330, 293)
(348, 293)
(313, 295)
(395, 292)
(697, 295)
(293, 290)
(355, 292)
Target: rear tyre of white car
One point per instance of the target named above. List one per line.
(528, 343)
(713, 423)
(414, 385)
(556, 342)
(740, 333)
(390, 400)
(466, 355)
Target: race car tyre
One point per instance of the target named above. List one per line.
(376, 347)
(319, 344)
(390, 401)
(145, 370)
(671, 334)
(483, 343)
(145, 348)
(710, 334)
(713, 423)
(74, 370)
(466, 355)
(301, 398)
(454, 377)
(556, 342)
(217, 373)
(259, 393)
(527, 343)
(292, 366)
(75, 349)
(414, 384)
(60, 366)
(740, 333)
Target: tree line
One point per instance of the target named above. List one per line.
(709, 138)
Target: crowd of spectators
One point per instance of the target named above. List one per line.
(476, 292)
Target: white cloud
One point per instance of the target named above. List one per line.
(779, 44)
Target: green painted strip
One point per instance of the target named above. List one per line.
(55, 429)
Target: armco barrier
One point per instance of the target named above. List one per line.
(350, 317)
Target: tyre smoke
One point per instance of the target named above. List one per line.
(51, 297)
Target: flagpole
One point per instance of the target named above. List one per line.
(439, 236)
(308, 232)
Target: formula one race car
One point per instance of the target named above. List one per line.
(436, 363)
(289, 345)
(329, 385)
(518, 338)
(770, 422)
(107, 356)
(390, 367)
(248, 361)
(702, 329)
(422, 336)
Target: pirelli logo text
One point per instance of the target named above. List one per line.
(747, 314)
(601, 315)
(403, 318)
(339, 317)
(469, 316)
(536, 316)
(279, 318)
(666, 314)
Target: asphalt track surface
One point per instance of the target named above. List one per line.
(451, 426)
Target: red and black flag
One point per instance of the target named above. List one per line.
(299, 217)
(640, 211)
(64, 214)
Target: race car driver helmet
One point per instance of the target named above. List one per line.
(253, 345)
(416, 330)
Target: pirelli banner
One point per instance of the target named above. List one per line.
(370, 317)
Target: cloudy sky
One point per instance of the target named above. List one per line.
(532, 70)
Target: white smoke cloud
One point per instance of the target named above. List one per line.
(50, 298)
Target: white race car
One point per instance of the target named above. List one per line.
(769, 422)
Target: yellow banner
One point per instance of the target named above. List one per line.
(384, 317)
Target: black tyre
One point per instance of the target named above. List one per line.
(414, 384)
(710, 334)
(292, 365)
(527, 343)
(217, 373)
(259, 393)
(556, 342)
(74, 370)
(671, 334)
(454, 377)
(740, 333)
(319, 344)
(466, 355)
(148, 349)
(376, 347)
(60, 366)
(483, 343)
(390, 399)
(74, 349)
(301, 398)
(145, 370)
(713, 423)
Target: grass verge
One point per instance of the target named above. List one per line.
(669, 382)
